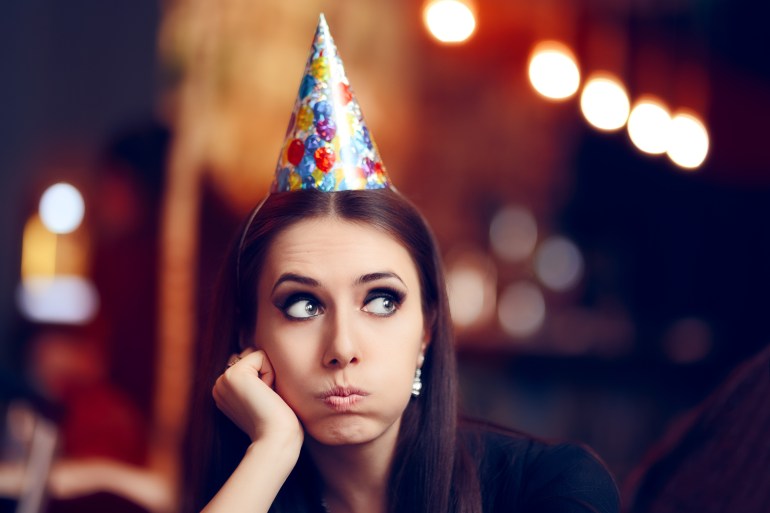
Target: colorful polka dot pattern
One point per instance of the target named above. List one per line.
(328, 146)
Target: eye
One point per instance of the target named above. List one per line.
(301, 308)
(383, 303)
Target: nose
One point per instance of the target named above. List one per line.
(341, 348)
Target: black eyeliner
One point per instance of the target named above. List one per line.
(292, 298)
(391, 294)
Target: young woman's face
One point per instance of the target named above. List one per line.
(341, 321)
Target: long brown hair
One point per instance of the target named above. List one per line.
(431, 470)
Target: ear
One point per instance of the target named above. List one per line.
(429, 322)
(423, 347)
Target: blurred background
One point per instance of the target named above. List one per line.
(597, 175)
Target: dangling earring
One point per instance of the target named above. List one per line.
(417, 383)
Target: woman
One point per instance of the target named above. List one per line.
(341, 393)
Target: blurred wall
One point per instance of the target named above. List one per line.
(72, 72)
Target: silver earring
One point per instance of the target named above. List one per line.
(417, 383)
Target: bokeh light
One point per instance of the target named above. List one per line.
(604, 102)
(558, 263)
(449, 21)
(513, 233)
(472, 287)
(62, 208)
(521, 309)
(649, 125)
(688, 141)
(61, 299)
(553, 70)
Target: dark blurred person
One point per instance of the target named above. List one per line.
(102, 376)
(128, 191)
(717, 459)
(67, 365)
(102, 435)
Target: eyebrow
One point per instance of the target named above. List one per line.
(310, 282)
(296, 278)
(367, 278)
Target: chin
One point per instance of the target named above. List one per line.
(345, 430)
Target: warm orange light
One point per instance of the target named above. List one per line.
(53, 285)
(46, 254)
(689, 141)
(38, 250)
(449, 21)
(649, 125)
(553, 70)
(604, 102)
(472, 287)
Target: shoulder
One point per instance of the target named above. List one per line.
(519, 472)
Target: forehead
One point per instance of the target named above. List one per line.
(329, 247)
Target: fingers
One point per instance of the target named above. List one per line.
(235, 358)
(244, 394)
(249, 362)
(258, 361)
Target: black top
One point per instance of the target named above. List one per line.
(517, 474)
(520, 474)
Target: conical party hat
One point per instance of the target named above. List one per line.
(328, 146)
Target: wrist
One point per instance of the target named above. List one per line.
(287, 432)
(283, 440)
(281, 450)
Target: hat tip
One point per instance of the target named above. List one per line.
(321, 19)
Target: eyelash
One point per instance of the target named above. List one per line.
(394, 295)
(295, 298)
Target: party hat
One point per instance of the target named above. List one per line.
(328, 145)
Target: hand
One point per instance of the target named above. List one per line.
(244, 392)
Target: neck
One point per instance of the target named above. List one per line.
(355, 476)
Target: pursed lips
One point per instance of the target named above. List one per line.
(342, 399)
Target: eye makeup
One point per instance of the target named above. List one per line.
(394, 296)
(291, 304)
(296, 303)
